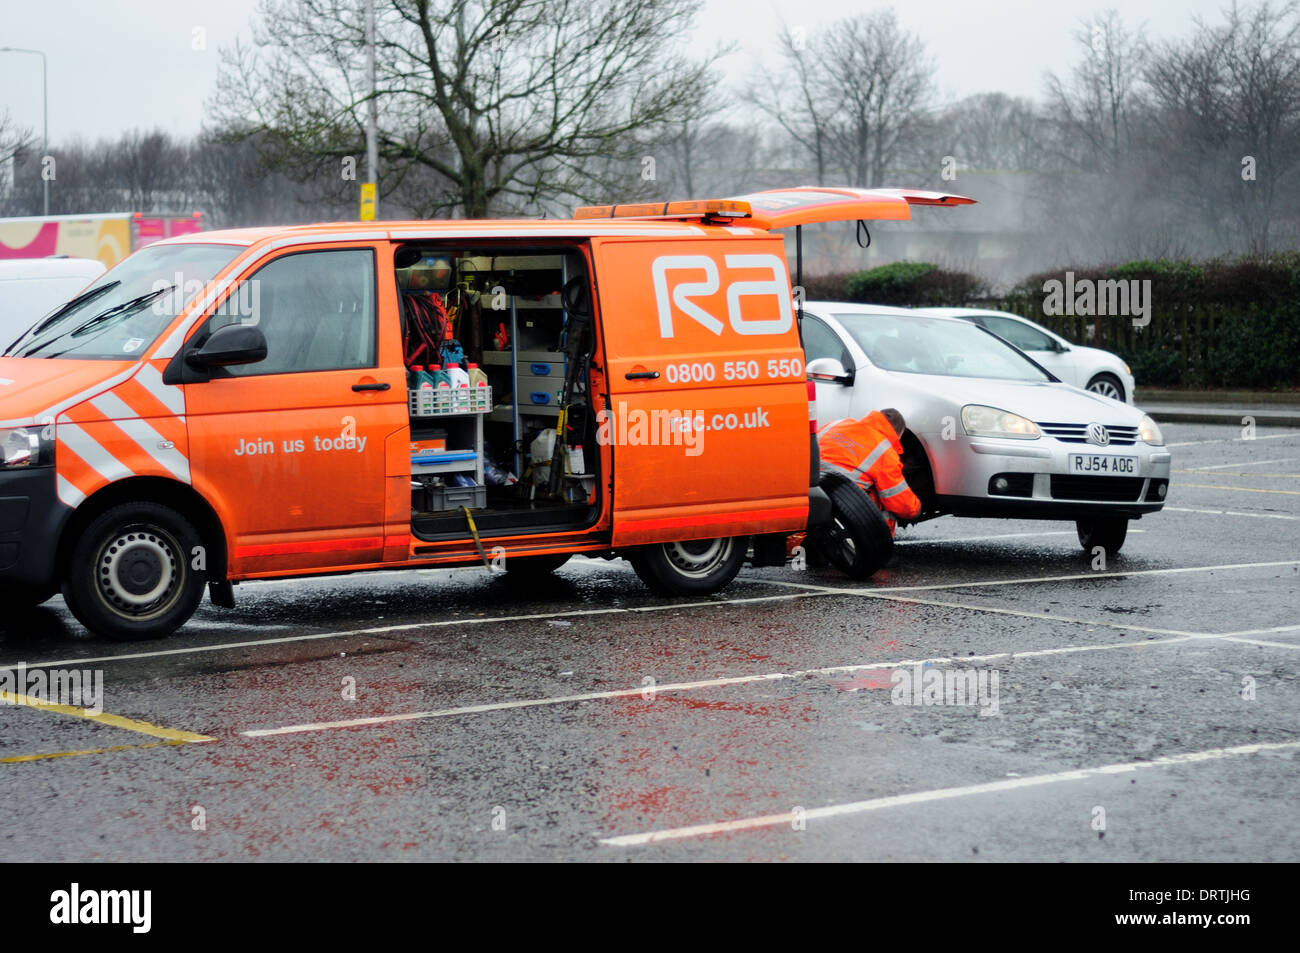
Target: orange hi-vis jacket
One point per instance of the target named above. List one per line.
(870, 450)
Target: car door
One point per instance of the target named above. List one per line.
(291, 449)
(834, 400)
(1042, 347)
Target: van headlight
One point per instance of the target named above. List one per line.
(25, 447)
(981, 421)
(1150, 433)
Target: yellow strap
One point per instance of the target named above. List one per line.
(473, 531)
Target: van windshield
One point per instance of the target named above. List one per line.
(921, 345)
(121, 314)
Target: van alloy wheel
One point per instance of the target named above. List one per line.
(691, 567)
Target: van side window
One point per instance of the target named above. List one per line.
(317, 310)
(821, 341)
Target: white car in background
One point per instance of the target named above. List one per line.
(30, 288)
(1088, 367)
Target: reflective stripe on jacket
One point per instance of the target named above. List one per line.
(870, 450)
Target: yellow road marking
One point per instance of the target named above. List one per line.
(1238, 489)
(116, 721)
(19, 758)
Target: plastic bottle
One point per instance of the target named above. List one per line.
(477, 376)
(413, 376)
(424, 390)
(456, 376)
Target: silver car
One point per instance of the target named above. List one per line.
(990, 432)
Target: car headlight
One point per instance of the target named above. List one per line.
(981, 421)
(25, 447)
(1150, 433)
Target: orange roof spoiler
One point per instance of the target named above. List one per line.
(784, 208)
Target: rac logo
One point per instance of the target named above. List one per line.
(683, 293)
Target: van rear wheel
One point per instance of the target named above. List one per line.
(130, 575)
(694, 567)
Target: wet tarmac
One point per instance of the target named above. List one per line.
(993, 695)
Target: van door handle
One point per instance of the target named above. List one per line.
(642, 375)
(377, 385)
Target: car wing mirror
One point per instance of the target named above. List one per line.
(828, 370)
(233, 344)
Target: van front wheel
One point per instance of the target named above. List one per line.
(694, 567)
(131, 576)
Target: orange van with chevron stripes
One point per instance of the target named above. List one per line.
(275, 402)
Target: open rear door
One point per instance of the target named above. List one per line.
(786, 208)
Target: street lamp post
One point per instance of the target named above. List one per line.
(45, 103)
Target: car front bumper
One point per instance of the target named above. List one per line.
(984, 476)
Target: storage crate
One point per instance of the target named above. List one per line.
(439, 498)
(443, 401)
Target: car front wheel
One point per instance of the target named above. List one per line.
(1108, 532)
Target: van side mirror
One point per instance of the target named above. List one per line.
(230, 345)
(830, 371)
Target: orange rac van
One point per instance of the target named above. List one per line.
(277, 402)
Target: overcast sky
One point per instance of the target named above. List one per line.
(117, 65)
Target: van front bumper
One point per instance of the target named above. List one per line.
(32, 518)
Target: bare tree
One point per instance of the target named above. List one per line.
(849, 96)
(1229, 119)
(1093, 110)
(490, 105)
(878, 84)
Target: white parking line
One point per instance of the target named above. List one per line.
(942, 794)
(408, 626)
(1267, 516)
(1229, 466)
(1198, 443)
(724, 682)
(807, 591)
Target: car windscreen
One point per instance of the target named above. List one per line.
(923, 345)
(121, 314)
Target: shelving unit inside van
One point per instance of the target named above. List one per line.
(447, 440)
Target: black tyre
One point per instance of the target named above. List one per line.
(857, 540)
(1107, 385)
(24, 597)
(1108, 532)
(695, 567)
(131, 576)
(532, 567)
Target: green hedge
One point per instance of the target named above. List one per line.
(1217, 323)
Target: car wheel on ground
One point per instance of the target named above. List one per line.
(130, 575)
(692, 567)
(1107, 385)
(1108, 532)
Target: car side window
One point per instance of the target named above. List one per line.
(316, 309)
(821, 341)
(1021, 335)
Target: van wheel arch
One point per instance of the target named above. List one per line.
(179, 496)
